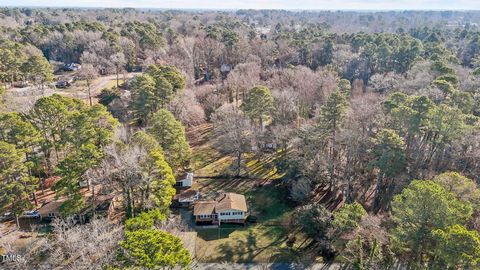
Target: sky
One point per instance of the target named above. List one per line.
(260, 4)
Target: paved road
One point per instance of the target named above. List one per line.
(264, 266)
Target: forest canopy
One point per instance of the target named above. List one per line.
(354, 135)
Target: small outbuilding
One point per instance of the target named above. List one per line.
(187, 181)
(186, 198)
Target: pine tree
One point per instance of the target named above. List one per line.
(170, 134)
(13, 180)
(389, 158)
(153, 249)
(144, 101)
(258, 104)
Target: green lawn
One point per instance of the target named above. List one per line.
(113, 83)
(208, 161)
(266, 241)
(254, 243)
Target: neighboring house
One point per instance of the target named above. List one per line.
(72, 67)
(50, 210)
(231, 207)
(28, 222)
(225, 69)
(46, 212)
(83, 183)
(185, 182)
(228, 208)
(49, 182)
(186, 198)
(105, 205)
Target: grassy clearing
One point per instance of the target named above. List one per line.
(208, 161)
(244, 244)
(113, 83)
(268, 204)
(263, 167)
(266, 241)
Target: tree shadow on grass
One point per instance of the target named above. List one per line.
(248, 250)
(243, 249)
(211, 234)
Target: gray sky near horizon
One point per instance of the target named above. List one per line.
(260, 4)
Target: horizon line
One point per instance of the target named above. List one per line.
(237, 9)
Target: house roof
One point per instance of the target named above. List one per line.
(186, 194)
(185, 176)
(231, 201)
(49, 182)
(103, 202)
(51, 207)
(204, 208)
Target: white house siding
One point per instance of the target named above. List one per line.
(188, 181)
(231, 216)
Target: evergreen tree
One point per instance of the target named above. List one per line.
(389, 154)
(418, 211)
(168, 81)
(348, 217)
(144, 101)
(457, 248)
(153, 249)
(258, 104)
(71, 170)
(154, 89)
(159, 188)
(12, 56)
(333, 113)
(14, 129)
(464, 188)
(14, 180)
(170, 134)
(38, 70)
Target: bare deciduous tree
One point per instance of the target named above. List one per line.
(186, 108)
(71, 246)
(88, 73)
(233, 130)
